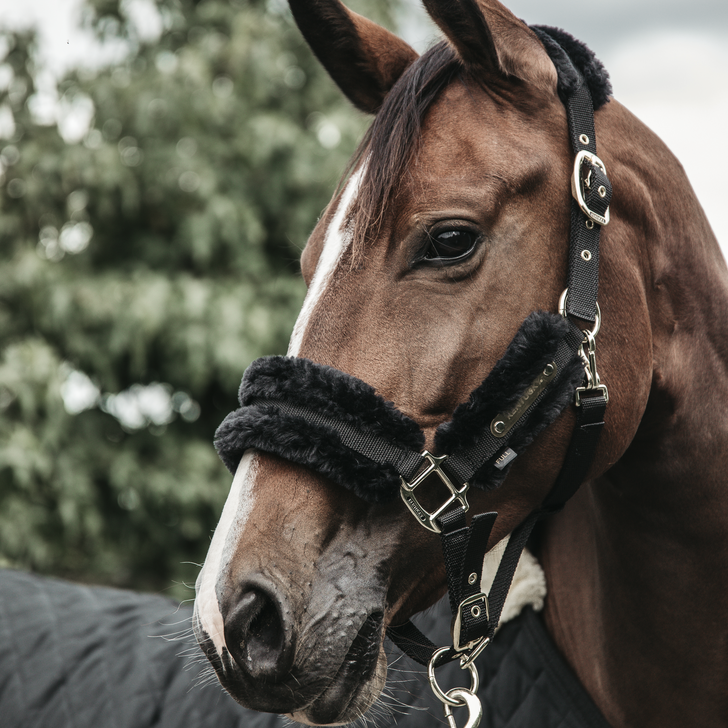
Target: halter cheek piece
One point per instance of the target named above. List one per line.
(340, 427)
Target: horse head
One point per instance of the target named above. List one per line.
(449, 229)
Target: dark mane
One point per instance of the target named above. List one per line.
(392, 138)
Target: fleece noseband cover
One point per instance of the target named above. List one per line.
(314, 415)
(289, 407)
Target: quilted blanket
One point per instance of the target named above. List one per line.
(74, 656)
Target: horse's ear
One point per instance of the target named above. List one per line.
(363, 58)
(487, 35)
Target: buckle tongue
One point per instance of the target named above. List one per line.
(576, 186)
(425, 517)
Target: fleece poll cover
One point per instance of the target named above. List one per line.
(571, 57)
(260, 423)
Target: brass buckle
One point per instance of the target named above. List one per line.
(582, 156)
(406, 490)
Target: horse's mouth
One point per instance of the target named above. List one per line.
(345, 697)
(343, 701)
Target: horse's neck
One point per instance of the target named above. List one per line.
(636, 562)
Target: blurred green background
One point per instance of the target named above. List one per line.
(144, 263)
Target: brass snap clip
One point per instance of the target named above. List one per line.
(588, 353)
(589, 356)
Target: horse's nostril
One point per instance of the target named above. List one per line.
(265, 629)
(256, 636)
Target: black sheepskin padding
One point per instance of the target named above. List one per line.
(329, 392)
(531, 349)
(262, 424)
(557, 42)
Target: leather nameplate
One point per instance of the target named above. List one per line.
(503, 422)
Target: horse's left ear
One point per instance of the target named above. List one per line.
(363, 58)
(487, 35)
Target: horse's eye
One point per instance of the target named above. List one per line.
(451, 245)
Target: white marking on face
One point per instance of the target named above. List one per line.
(237, 508)
(337, 240)
(240, 500)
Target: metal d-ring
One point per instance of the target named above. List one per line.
(443, 697)
(597, 320)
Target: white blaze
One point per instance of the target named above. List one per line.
(337, 240)
(240, 500)
(237, 508)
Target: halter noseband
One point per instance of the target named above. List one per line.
(337, 425)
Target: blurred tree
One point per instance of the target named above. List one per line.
(150, 236)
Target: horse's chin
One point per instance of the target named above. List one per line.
(356, 684)
(347, 697)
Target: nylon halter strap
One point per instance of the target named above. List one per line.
(475, 614)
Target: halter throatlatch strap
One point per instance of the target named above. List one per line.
(473, 633)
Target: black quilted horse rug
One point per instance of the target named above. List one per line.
(75, 656)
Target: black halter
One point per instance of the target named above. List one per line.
(337, 425)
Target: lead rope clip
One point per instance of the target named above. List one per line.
(457, 697)
(470, 701)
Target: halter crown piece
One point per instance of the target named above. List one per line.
(339, 426)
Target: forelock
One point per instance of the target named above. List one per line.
(391, 141)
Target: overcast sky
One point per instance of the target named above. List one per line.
(608, 24)
(668, 60)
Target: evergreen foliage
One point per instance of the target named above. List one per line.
(144, 264)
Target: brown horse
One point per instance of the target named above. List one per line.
(451, 228)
